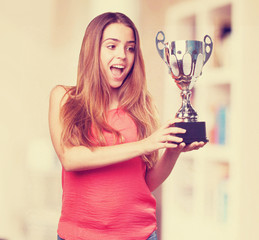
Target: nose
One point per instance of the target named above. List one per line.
(121, 53)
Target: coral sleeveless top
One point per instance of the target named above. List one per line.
(112, 202)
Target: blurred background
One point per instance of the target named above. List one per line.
(213, 193)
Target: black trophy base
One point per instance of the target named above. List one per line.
(195, 132)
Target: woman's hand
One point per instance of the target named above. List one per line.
(193, 146)
(164, 137)
(182, 147)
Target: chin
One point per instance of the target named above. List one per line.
(116, 84)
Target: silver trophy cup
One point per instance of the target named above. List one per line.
(185, 60)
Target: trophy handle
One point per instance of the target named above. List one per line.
(208, 47)
(158, 42)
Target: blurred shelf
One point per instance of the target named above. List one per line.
(216, 153)
(216, 76)
(208, 186)
(188, 226)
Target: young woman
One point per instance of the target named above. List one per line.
(105, 133)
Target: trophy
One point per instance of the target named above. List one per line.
(185, 60)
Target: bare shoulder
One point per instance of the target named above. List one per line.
(58, 97)
(59, 94)
(58, 91)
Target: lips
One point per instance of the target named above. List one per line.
(117, 70)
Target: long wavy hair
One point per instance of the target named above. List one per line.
(88, 102)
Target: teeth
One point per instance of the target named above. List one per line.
(118, 66)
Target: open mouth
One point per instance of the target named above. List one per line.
(117, 70)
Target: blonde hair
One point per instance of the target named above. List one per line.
(88, 102)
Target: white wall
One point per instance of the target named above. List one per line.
(39, 46)
(39, 49)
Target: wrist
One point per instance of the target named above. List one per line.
(174, 151)
(143, 145)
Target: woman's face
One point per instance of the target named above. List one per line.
(117, 53)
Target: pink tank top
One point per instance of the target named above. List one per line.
(109, 203)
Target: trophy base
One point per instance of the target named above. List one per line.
(195, 132)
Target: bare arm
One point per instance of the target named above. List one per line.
(82, 158)
(158, 174)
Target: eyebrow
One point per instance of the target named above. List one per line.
(117, 40)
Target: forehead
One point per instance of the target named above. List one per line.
(118, 31)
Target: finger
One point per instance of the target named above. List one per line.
(175, 130)
(189, 147)
(176, 147)
(171, 145)
(200, 145)
(181, 146)
(166, 125)
(173, 138)
(172, 121)
(194, 146)
(176, 120)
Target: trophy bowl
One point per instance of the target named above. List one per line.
(185, 60)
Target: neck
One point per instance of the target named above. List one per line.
(114, 99)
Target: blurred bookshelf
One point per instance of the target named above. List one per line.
(200, 200)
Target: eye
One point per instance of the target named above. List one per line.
(131, 49)
(111, 46)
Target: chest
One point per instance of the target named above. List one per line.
(123, 123)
